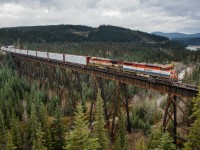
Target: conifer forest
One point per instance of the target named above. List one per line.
(60, 109)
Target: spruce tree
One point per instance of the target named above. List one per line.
(9, 144)
(17, 132)
(33, 124)
(2, 132)
(160, 141)
(45, 126)
(141, 145)
(38, 142)
(194, 133)
(122, 141)
(58, 130)
(166, 142)
(154, 138)
(99, 131)
(79, 138)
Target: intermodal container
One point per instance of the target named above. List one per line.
(42, 54)
(82, 60)
(56, 56)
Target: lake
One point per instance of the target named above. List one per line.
(193, 47)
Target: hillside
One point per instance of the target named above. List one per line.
(185, 39)
(176, 35)
(74, 33)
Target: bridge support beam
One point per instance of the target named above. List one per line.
(171, 115)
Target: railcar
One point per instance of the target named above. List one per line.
(105, 63)
(150, 70)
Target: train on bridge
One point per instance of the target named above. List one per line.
(144, 69)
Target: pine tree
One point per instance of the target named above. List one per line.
(194, 134)
(45, 126)
(9, 144)
(80, 138)
(38, 142)
(99, 130)
(17, 138)
(33, 124)
(166, 142)
(141, 145)
(58, 130)
(154, 138)
(122, 141)
(2, 132)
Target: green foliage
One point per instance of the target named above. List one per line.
(194, 136)
(141, 145)
(144, 115)
(79, 137)
(99, 131)
(10, 144)
(139, 52)
(74, 33)
(16, 132)
(166, 142)
(2, 131)
(45, 126)
(58, 130)
(122, 140)
(160, 141)
(38, 142)
(154, 138)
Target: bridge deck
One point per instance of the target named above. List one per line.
(160, 85)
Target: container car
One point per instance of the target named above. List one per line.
(150, 70)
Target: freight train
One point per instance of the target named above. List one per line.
(142, 69)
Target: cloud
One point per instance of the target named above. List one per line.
(145, 15)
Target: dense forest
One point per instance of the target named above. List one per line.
(54, 113)
(157, 53)
(34, 117)
(75, 33)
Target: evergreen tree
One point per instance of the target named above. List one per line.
(2, 132)
(17, 138)
(141, 145)
(33, 124)
(154, 138)
(45, 126)
(122, 141)
(38, 142)
(194, 134)
(79, 138)
(9, 144)
(166, 142)
(58, 130)
(99, 131)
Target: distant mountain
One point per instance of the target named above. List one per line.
(75, 33)
(176, 35)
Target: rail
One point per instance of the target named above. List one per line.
(158, 84)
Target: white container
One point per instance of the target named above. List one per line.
(24, 52)
(56, 56)
(42, 54)
(17, 51)
(76, 59)
(32, 53)
(11, 50)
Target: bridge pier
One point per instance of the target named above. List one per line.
(171, 101)
(29, 65)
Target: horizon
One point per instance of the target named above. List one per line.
(97, 27)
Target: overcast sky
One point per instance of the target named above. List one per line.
(145, 15)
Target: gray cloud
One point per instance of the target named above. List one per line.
(145, 15)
